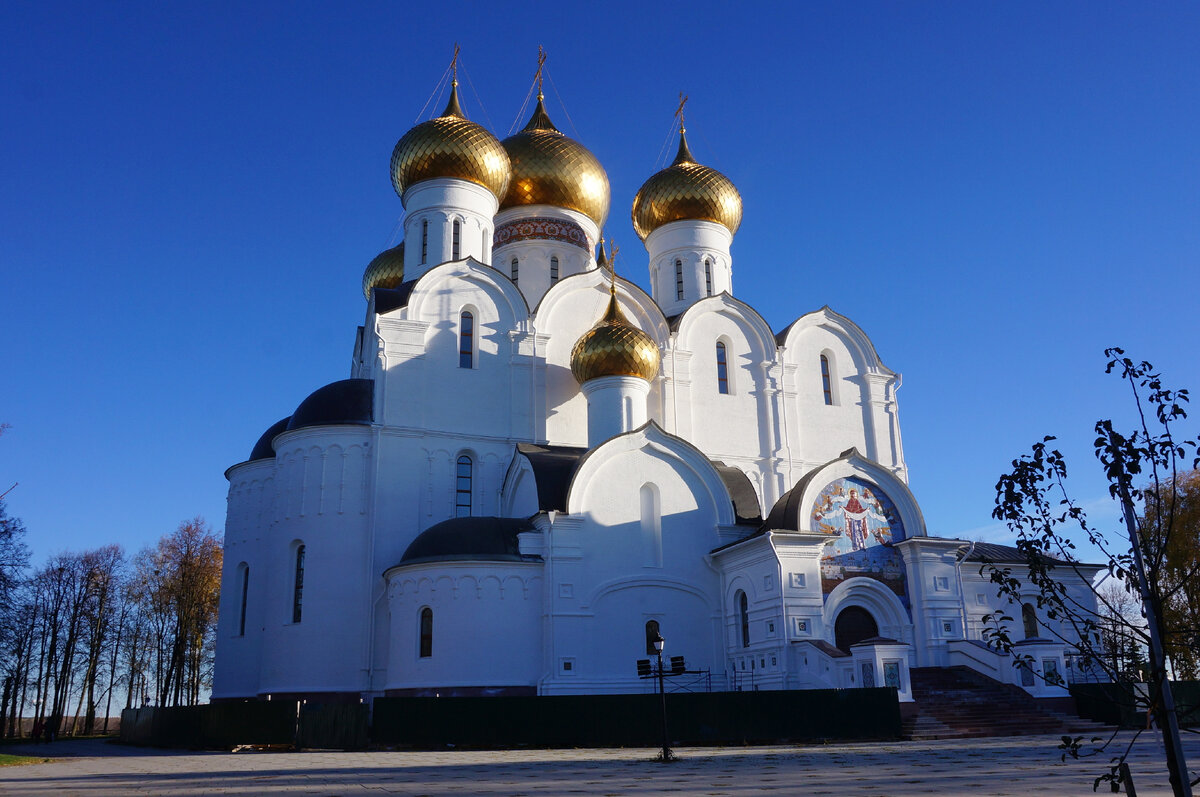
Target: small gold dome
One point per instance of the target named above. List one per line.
(614, 347)
(385, 271)
(686, 190)
(550, 169)
(450, 146)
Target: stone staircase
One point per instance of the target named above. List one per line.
(959, 703)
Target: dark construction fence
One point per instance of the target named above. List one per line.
(558, 721)
(636, 720)
(227, 725)
(1117, 703)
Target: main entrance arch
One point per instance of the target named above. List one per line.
(853, 625)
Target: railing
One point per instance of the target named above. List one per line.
(980, 658)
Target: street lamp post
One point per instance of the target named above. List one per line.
(662, 696)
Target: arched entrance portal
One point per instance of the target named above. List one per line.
(853, 625)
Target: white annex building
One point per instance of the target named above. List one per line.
(535, 467)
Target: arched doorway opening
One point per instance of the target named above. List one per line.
(853, 625)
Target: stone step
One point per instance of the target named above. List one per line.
(959, 703)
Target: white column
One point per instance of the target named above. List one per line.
(616, 404)
(431, 208)
(702, 251)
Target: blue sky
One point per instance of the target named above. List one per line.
(995, 192)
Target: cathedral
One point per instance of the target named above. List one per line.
(536, 471)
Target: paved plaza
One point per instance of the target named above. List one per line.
(996, 766)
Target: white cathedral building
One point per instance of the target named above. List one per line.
(535, 467)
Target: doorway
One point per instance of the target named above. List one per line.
(853, 625)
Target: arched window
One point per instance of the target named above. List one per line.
(722, 369)
(515, 268)
(652, 633)
(1029, 620)
(298, 585)
(651, 522)
(744, 617)
(466, 340)
(708, 276)
(426, 642)
(462, 487)
(245, 593)
(454, 242)
(554, 269)
(826, 380)
(678, 279)
(424, 240)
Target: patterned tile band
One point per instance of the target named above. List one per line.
(540, 229)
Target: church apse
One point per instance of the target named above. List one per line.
(866, 525)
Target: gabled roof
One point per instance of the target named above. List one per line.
(389, 299)
(554, 467)
(489, 539)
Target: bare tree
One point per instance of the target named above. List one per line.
(1033, 500)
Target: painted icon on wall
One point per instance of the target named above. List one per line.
(866, 526)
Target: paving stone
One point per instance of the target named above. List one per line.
(1007, 766)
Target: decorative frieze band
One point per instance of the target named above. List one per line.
(540, 229)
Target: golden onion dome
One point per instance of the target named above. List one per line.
(548, 168)
(450, 146)
(614, 347)
(386, 270)
(685, 190)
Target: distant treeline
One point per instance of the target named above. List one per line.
(87, 628)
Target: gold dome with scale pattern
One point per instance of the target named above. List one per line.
(450, 146)
(386, 270)
(685, 190)
(614, 347)
(548, 168)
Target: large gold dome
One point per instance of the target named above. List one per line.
(550, 169)
(686, 190)
(614, 347)
(450, 146)
(386, 270)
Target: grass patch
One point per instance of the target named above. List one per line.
(17, 760)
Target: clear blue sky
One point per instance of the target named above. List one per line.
(188, 196)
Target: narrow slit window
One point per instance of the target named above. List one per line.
(426, 642)
(466, 341)
(708, 276)
(515, 268)
(554, 269)
(298, 586)
(245, 592)
(722, 370)
(462, 487)
(826, 381)
(678, 279)
(744, 618)
(454, 242)
(424, 240)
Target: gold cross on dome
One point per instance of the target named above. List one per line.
(612, 265)
(454, 65)
(538, 75)
(683, 98)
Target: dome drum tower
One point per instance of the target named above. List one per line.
(551, 215)
(450, 174)
(614, 362)
(686, 215)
